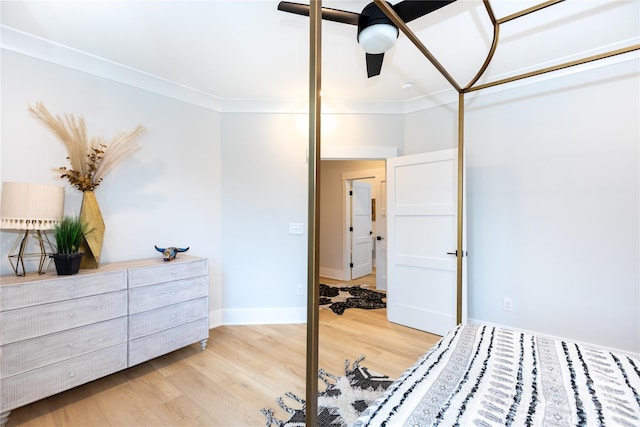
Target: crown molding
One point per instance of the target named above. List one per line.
(36, 47)
(55, 53)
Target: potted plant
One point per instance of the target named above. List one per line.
(69, 233)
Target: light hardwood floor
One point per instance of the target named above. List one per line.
(243, 369)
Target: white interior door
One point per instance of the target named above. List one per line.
(361, 246)
(381, 238)
(421, 230)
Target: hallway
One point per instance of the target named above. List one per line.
(367, 282)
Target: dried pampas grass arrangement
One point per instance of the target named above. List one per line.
(91, 159)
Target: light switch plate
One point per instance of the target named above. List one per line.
(296, 228)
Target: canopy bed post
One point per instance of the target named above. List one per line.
(460, 240)
(313, 251)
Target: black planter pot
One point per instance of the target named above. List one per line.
(67, 264)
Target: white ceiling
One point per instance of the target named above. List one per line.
(250, 50)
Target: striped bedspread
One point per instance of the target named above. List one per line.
(486, 376)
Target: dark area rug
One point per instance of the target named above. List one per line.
(341, 403)
(339, 298)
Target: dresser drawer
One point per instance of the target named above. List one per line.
(33, 385)
(159, 319)
(145, 348)
(31, 322)
(169, 271)
(35, 353)
(154, 296)
(59, 288)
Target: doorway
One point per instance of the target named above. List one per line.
(335, 206)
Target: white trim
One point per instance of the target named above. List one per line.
(331, 273)
(553, 337)
(36, 47)
(46, 50)
(347, 187)
(446, 97)
(364, 174)
(264, 316)
(215, 319)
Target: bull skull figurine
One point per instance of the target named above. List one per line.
(170, 253)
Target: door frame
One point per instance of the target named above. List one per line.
(346, 217)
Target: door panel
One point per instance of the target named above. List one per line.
(421, 229)
(361, 244)
(412, 229)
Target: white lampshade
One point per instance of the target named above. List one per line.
(27, 206)
(378, 38)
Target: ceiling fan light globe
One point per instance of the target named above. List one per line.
(378, 38)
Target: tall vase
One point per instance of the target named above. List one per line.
(92, 245)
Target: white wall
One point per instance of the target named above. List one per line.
(431, 130)
(553, 193)
(557, 232)
(264, 177)
(171, 192)
(167, 193)
(364, 131)
(553, 202)
(265, 184)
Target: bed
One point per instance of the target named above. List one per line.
(480, 375)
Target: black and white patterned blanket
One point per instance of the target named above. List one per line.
(487, 376)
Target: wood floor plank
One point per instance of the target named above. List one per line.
(243, 369)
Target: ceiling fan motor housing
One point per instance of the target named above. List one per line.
(376, 32)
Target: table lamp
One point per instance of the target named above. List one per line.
(30, 207)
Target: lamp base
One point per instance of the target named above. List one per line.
(17, 253)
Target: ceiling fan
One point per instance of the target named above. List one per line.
(376, 32)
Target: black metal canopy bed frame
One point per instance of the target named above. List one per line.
(477, 375)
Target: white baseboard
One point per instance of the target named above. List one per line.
(539, 334)
(264, 316)
(215, 319)
(331, 273)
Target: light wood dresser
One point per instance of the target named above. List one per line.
(58, 332)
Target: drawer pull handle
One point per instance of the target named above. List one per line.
(173, 316)
(72, 374)
(173, 292)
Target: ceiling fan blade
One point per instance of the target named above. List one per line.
(374, 63)
(336, 15)
(409, 10)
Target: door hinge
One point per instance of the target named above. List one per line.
(351, 265)
(351, 192)
(351, 229)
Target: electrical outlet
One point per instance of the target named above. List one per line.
(299, 290)
(507, 304)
